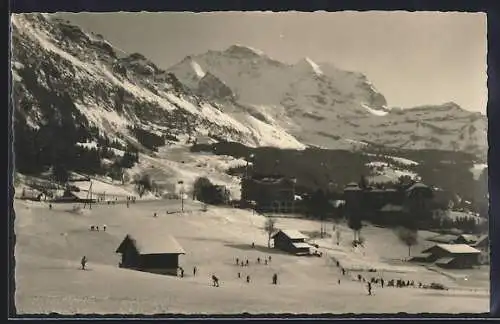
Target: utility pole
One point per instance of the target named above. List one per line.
(294, 181)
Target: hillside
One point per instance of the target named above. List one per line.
(324, 106)
(76, 80)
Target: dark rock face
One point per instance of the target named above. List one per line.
(212, 87)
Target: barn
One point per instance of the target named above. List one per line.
(453, 256)
(291, 241)
(150, 253)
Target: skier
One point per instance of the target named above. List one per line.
(104, 227)
(369, 288)
(248, 279)
(258, 260)
(339, 281)
(253, 245)
(215, 281)
(239, 274)
(194, 271)
(84, 262)
(50, 206)
(246, 262)
(265, 262)
(237, 261)
(275, 279)
(382, 282)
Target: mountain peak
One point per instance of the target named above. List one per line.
(243, 51)
(310, 65)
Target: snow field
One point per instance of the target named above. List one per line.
(50, 244)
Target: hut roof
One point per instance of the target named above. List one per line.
(455, 249)
(292, 234)
(151, 244)
(443, 238)
(469, 238)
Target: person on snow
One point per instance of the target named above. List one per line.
(248, 279)
(84, 262)
(194, 271)
(275, 279)
(258, 260)
(369, 288)
(215, 281)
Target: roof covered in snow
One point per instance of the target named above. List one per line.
(455, 249)
(150, 244)
(292, 234)
(443, 238)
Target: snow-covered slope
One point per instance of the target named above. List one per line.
(328, 107)
(52, 58)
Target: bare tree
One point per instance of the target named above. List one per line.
(269, 228)
(408, 236)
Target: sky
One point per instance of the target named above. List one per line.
(413, 59)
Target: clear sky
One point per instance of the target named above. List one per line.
(412, 58)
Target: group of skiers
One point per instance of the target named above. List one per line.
(180, 271)
(96, 228)
(247, 263)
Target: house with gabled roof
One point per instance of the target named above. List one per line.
(291, 241)
(150, 253)
(454, 256)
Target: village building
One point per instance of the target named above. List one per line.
(291, 241)
(483, 245)
(443, 238)
(452, 256)
(151, 254)
(468, 239)
(390, 214)
(272, 193)
(76, 196)
(32, 194)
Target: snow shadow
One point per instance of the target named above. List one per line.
(259, 248)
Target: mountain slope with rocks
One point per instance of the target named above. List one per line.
(66, 75)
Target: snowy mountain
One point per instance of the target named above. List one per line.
(63, 73)
(324, 106)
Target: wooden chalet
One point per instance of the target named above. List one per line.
(291, 241)
(150, 253)
(452, 256)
